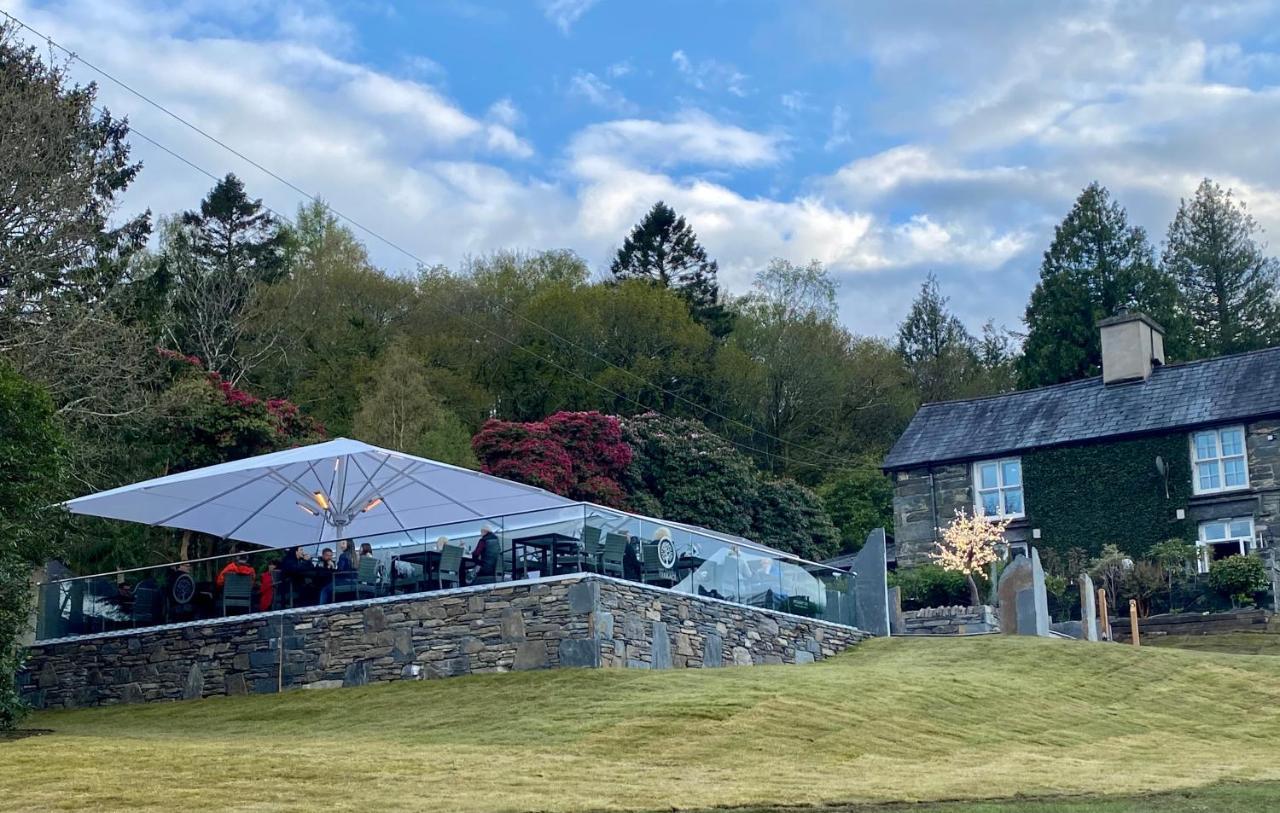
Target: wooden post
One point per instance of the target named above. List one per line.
(1133, 621)
(1103, 614)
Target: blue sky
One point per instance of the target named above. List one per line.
(886, 139)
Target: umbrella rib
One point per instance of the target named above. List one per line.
(208, 500)
(368, 481)
(257, 511)
(408, 473)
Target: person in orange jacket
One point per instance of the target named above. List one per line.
(238, 565)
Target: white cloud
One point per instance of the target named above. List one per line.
(600, 93)
(620, 69)
(710, 74)
(564, 13)
(693, 137)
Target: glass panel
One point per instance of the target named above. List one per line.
(1213, 530)
(990, 503)
(1207, 476)
(1206, 445)
(1013, 501)
(1234, 472)
(987, 475)
(1242, 528)
(1232, 442)
(1011, 471)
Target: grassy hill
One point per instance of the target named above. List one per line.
(892, 720)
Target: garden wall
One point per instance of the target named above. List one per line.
(950, 621)
(571, 621)
(1193, 624)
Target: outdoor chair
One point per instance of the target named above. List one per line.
(591, 548)
(499, 567)
(450, 569)
(364, 582)
(615, 552)
(146, 605)
(652, 571)
(415, 582)
(236, 592)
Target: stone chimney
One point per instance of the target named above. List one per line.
(1132, 345)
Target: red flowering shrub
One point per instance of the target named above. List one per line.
(577, 454)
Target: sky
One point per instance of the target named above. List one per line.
(886, 139)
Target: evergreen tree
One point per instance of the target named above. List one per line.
(1228, 285)
(233, 234)
(935, 346)
(663, 248)
(1097, 265)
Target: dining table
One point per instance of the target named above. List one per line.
(550, 546)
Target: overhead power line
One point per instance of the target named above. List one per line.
(844, 463)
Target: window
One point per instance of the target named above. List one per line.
(1221, 538)
(1218, 460)
(997, 488)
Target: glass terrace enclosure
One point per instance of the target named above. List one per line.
(533, 545)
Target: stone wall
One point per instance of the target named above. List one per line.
(920, 504)
(950, 621)
(1262, 446)
(577, 621)
(1194, 624)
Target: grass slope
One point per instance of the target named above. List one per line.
(892, 720)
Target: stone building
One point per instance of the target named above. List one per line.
(1144, 452)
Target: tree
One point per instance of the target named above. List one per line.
(663, 249)
(937, 349)
(401, 410)
(1096, 265)
(970, 543)
(218, 257)
(792, 518)
(1238, 578)
(1228, 284)
(32, 470)
(859, 500)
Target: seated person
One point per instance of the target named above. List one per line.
(632, 564)
(327, 563)
(346, 557)
(487, 555)
(267, 586)
(238, 565)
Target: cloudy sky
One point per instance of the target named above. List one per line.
(886, 139)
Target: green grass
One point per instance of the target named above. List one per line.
(1237, 643)
(892, 720)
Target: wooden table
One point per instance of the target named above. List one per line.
(548, 545)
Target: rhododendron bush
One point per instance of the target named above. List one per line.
(580, 455)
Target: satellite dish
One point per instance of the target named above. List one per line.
(1161, 466)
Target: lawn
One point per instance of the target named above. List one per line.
(893, 720)
(1239, 643)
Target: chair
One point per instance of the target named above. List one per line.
(494, 561)
(363, 582)
(414, 583)
(450, 569)
(146, 605)
(236, 591)
(591, 548)
(652, 571)
(613, 556)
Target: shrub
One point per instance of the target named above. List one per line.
(930, 586)
(1238, 578)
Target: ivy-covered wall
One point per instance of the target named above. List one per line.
(1108, 493)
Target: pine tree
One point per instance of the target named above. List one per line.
(236, 235)
(936, 347)
(663, 248)
(1228, 285)
(1096, 265)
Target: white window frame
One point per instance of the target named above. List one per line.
(1218, 461)
(1247, 544)
(1000, 488)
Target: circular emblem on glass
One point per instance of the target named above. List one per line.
(666, 553)
(184, 589)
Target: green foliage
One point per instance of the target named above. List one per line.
(1238, 578)
(935, 345)
(790, 517)
(32, 472)
(663, 249)
(1228, 284)
(1096, 265)
(930, 586)
(859, 500)
(1076, 508)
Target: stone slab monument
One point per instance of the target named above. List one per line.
(1027, 615)
(1088, 608)
(871, 585)
(897, 621)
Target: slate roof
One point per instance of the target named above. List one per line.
(1218, 390)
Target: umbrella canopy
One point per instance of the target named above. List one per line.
(317, 493)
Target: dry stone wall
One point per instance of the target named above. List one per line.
(580, 621)
(950, 621)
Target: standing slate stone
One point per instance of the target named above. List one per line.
(897, 622)
(1040, 621)
(530, 655)
(356, 674)
(579, 652)
(871, 585)
(582, 597)
(512, 625)
(194, 687)
(661, 646)
(712, 650)
(1088, 608)
(1025, 604)
(1015, 578)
